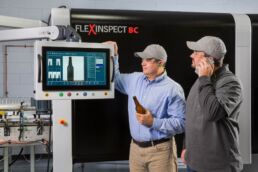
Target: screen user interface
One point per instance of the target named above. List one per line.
(75, 68)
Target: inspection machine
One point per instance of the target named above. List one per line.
(91, 79)
(133, 30)
(65, 70)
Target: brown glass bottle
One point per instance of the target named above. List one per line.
(138, 107)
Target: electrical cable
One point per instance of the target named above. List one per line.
(43, 141)
(28, 161)
(49, 141)
(43, 21)
(21, 126)
(16, 158)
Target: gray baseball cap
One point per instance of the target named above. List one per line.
(153, 51)
(211, 45)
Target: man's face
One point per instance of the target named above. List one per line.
(150, 66)
(197, 56)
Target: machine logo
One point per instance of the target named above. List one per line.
(94, 29)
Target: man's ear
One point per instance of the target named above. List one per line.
(161, 63)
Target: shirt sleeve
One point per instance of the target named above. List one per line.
(219, 103)
(175, 121)
(122, 81)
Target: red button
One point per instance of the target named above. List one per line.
(62, 122)
(69, 94)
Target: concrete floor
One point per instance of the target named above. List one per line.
(41, 166)
(23, 165)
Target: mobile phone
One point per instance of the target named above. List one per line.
(210, 60)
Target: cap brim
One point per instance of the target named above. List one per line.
(141, 55)
(193, 46)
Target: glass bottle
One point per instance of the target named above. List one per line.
(70, 71)
(138, 107)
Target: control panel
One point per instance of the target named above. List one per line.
(73, 70)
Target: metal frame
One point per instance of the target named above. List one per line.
(7, 158)
(16, 22)
(62, 136)
(243, 35)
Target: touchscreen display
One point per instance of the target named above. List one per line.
(75, 68)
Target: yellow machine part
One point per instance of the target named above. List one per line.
(2, 113)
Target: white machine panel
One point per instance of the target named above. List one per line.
(92, 70)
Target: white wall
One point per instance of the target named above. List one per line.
(20, 76)
(38, 9)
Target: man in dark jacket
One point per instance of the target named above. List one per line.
(212, 110)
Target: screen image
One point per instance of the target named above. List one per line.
(69, 72)
(75, 68)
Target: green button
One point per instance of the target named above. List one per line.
(61, 94)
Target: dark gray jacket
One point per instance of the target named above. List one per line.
(212, 130)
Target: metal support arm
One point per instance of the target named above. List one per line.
(50, 32)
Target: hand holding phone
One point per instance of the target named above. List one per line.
(205, 67)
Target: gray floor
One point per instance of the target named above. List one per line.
(41, 166)
(23, 165)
